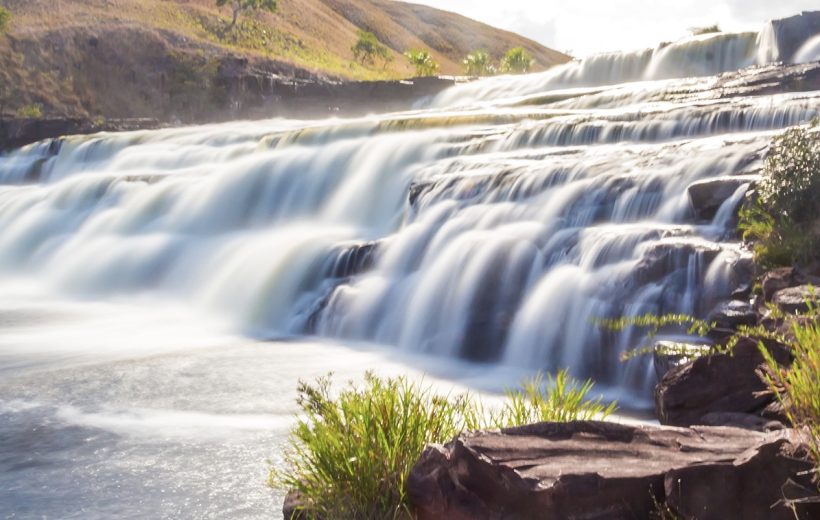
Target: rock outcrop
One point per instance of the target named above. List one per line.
(595, 470)
(714, 384)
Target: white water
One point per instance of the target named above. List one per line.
(477, 244)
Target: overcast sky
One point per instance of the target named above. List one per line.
(589, 26)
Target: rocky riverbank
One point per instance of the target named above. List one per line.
(250, 93)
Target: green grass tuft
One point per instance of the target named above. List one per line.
(350, 455)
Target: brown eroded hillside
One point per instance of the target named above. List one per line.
(126, 58)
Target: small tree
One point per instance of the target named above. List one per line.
(516, 61)
(367, 48)
(5, 19)
(478, 63)
(237, 6)
(423, 62)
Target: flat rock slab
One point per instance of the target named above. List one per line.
(598, 470)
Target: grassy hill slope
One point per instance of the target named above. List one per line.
(123, 58)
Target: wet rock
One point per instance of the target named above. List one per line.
(668, 355)
(595, 470)
(718, 383)
(731, 314)
(672, 255)
(795, 300)
(706, 197)
(353, 260)
(293, 508)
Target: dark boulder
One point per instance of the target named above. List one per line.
(595, 470)
(783, 278)
(718, 383)
(672, 354)
(706, 197)
(795, 300)
(733, 313)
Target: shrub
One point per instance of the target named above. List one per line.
(5, 19)
(478, 63)
(350, 456)
(237, 6)
(33, 111)
(367, 48)
(783, 220)
(516, 61)
(423, 61)
(791, 177)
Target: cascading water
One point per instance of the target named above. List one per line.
(495, 227)
(495, 234)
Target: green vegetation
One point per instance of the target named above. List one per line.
(797, 387)
(709, 29)
(783, 221)
(516, 61)
(479, 63)
(423, 62)
(5, 19)
(367, 48)
(33, 111)
(350, 455)
(237, 6)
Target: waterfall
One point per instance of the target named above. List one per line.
(698, 56)
(496, 233)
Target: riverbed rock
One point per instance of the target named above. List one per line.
(667, 355)
(706, 197)
(733, 313)
(713, 384)
(597, 470)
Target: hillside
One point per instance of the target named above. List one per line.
(127, 58)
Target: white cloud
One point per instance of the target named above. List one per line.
(588, 26)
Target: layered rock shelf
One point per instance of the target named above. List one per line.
(597, 470)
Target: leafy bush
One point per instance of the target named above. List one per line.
(367, 48)
(783, 220)
(791, 178)
(516, 61)
(350, 456)
(423, 61)
(34, 111)
(478, 63)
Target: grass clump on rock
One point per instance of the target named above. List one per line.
(797, 386)
(350, 454)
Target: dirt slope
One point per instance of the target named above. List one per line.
(126, 58)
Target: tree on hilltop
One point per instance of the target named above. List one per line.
(367, 48)
(423, 61)
(237, 6)
(516, 61)
(478, 63)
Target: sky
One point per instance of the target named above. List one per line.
(583, 27)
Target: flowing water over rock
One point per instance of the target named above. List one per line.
(494, 226)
